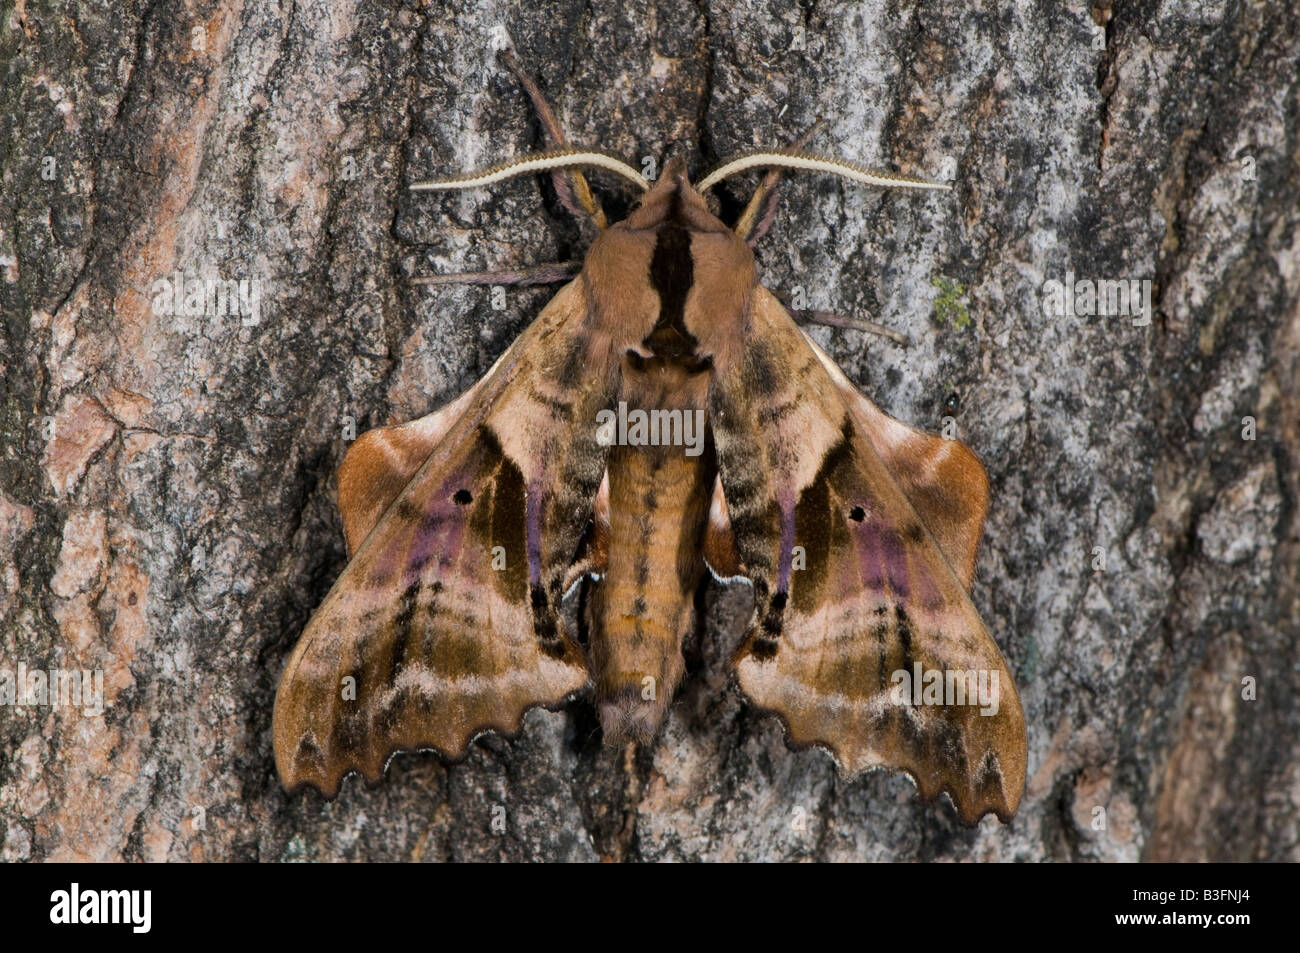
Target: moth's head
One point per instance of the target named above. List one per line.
(673, 199)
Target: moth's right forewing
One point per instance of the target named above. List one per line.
(850, 586)
(446, 623)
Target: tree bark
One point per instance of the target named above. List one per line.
(167, 487)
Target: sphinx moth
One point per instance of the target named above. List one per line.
(467, 528)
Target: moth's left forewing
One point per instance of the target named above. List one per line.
(851, 588)
(446, 622)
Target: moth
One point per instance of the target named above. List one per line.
(467, 528)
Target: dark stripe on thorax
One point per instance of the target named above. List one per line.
(672, 272)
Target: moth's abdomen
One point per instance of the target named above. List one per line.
(643, 608)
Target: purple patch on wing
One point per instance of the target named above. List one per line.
(439, 536)
(533, 527)
(787, 545)
(437, 531)
(882, 557)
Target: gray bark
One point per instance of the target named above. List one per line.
(167, 481)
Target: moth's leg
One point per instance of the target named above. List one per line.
(830, 319)
(757, 217)
(555, 136)
(548, 274)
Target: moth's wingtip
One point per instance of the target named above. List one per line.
(970, 806)
(1004, 808)
(329, 784)
(1004, 812)
(292, 791)
(295, 784)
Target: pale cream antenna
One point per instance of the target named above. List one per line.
(539, 162)
(807, 162)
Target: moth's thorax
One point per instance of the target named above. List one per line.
(672, 278)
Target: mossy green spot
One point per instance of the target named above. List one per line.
(948, 306)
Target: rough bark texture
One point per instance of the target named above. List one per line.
(167, 481)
